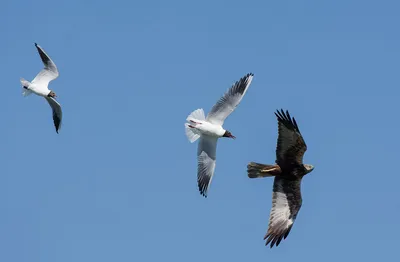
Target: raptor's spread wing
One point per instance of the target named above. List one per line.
(286, 203)
(291, 146)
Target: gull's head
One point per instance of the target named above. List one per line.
(308, 168)
(52, 94)
(228, 134)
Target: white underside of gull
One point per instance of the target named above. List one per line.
(209, 129)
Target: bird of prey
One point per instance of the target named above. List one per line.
(39, 86)
(288, 173)
(209, 129)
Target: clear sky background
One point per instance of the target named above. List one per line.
(119, 181)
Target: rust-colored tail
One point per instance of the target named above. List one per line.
(255, 170)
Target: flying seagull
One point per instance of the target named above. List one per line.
(210, 129)
(39, 86)
(288, 172)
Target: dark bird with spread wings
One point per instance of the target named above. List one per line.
(288, 172)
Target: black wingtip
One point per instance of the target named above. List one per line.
(286, 119)
(36, 44)
(248, 75)
(245, 78)
(203, 192)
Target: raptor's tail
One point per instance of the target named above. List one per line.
(255, 170)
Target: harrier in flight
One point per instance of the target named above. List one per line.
(288, 173)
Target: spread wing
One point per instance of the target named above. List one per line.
(49, 72)
(57, 112)
(206, 156)
(286, 203)
(291, 146)
(229, 101)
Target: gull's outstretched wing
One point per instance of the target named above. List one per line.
(206, 157)
(57, 112)
(48, 73)
(229, 101)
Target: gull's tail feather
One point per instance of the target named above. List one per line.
(25, 87)
(256, 170)
(197, 114)
(191, 133)
(190, 128)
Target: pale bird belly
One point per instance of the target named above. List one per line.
(210, 129)
(39, 91)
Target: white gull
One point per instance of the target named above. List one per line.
(39, 86)
(210, 129)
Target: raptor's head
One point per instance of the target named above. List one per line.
(308, 168)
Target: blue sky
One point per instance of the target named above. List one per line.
(119, 181)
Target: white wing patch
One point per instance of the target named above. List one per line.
(286, 203)
(280, 212)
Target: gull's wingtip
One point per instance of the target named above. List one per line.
(249, 77)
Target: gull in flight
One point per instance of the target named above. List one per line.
(209, 129)
(39, 86)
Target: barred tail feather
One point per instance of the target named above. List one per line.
(256, 170)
